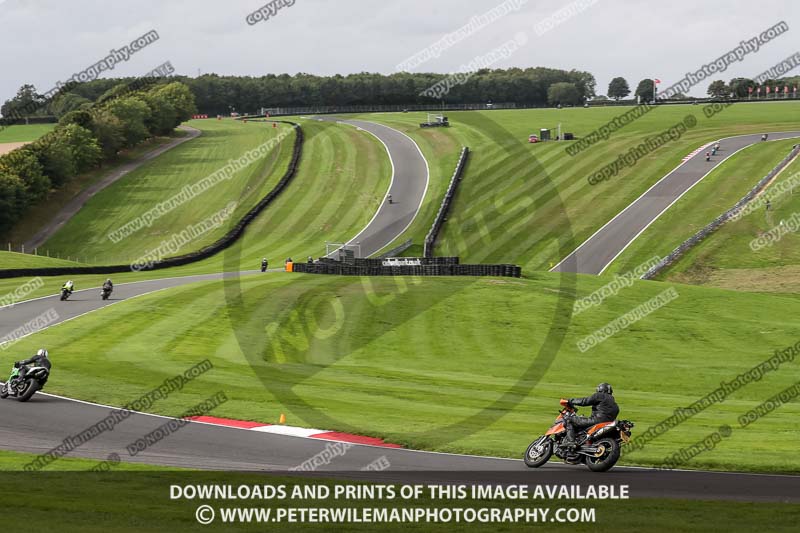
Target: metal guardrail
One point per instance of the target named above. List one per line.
(692, 241)
(447, 201)
(397, 249)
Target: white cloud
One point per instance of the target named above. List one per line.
(47, 40)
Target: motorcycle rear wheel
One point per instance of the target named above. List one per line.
(534, 459)
(608, 459)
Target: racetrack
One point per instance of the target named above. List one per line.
(408, 186)
(42, 423)
(607, 243)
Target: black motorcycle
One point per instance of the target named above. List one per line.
(23, 389)
(106, 293)
(65, 293)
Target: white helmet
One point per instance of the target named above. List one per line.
(41, 352)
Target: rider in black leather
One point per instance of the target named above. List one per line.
(604, 409)
(40, 359)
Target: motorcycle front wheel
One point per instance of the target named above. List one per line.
(29, 391)
(608, 455)
(4, 391)
(539, 452)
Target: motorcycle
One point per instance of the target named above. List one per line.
(22, 390)
(598, 447)
(106, 293)
(263, 267)
(65, 293)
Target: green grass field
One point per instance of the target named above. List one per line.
(18, 260)
(522, 203)
(530, 203)
(725, 259)
(22, 133)
(12, 461)
(459, 365)
(157, 180)
(327, 200)
(718, 192)
(341, 179)
(40, 214)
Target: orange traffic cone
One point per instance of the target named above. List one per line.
(282, 419)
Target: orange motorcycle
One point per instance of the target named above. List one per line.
(598, 446)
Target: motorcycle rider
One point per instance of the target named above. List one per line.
(40, 359)
(69, 286)
(604, 409)
(108, 285)
(264, 265)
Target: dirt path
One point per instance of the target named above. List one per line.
(7, 147)
(74, 205)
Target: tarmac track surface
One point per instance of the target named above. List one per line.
(409, 183)
(599, 250)
(42, 423)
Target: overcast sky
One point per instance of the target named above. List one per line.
(45, 41)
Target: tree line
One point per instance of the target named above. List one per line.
(735, 88)
(221, 95)
(88, 134)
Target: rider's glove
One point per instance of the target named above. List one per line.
(571, 402)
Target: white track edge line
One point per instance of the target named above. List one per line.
(652, 186)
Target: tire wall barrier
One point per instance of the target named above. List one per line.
(204, 253)
(434, 266)
(692, 241)
(438, 222)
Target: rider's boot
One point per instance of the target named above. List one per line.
(569, 441)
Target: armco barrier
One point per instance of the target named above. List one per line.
(430, 239)
(223, 242)
(692, 241)
(394, 252)
(373, 267)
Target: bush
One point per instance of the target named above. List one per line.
(23, 162)
(12, 199)
(85, 136)
(133, 113)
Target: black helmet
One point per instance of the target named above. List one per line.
(605, 387)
